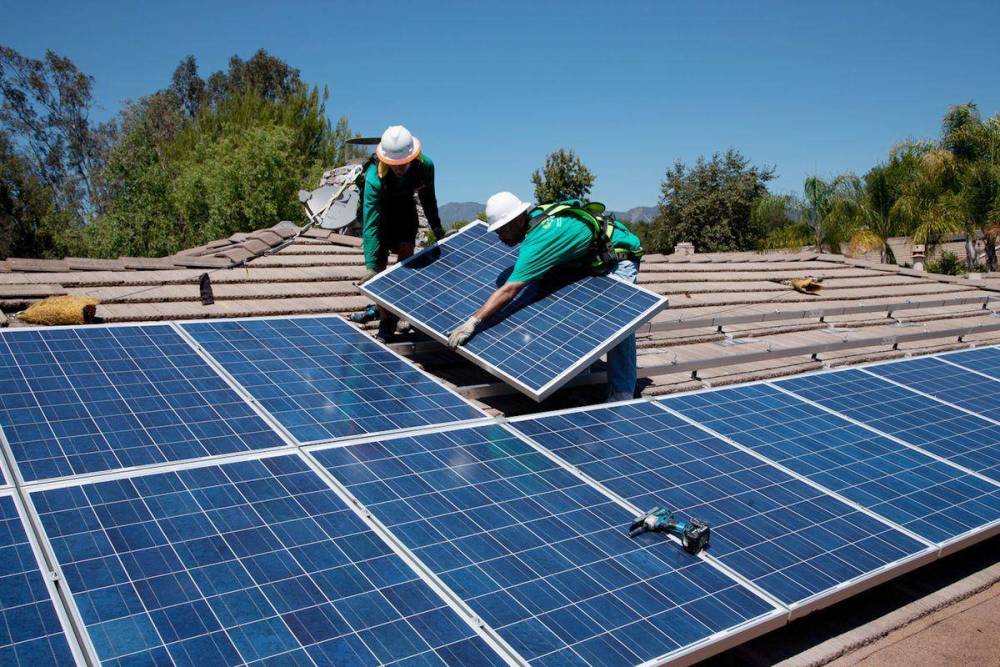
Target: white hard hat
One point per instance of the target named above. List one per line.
(502, 208)
(398, 146)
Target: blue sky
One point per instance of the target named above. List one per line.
(491, 88)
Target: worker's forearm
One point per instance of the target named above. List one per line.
(500, 298)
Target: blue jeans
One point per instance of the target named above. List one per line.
(622, 371)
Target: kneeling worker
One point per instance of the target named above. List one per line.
(553, 237)
(389, 211)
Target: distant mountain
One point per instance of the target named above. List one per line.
(637, 214)
(467, 210)
(455, 211)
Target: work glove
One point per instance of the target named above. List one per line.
(450, 232)
(463, 333)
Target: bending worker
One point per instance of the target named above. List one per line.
(554, 237)
(389, 211)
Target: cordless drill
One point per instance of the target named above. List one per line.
(693, 533)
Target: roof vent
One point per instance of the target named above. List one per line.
(684, 248)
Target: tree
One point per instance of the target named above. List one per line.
(187, 87)
(709, 204)
(929, 206)
(564, 176)
(30, 222)
(44, 109)
(775, 222)
(974, 145)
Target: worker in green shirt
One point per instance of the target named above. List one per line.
(389, 211)
(564, 238)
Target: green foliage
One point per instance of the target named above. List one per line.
(44, 106)
(177, 180)
(947, 264)
(564, 176)
(710, 205)
(196, 161)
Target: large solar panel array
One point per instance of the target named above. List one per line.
(226, 553)
(90, 399)
(541, 556)
(788, 537)
(248, 562)
(30, 630)
(928, 497)
(321, 378)
(936, 427)
(548, 334)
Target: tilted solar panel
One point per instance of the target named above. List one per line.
(794, 541)
(549, 333)
(947, 382)
(938, 428)
(929, 497)
(87, 399)
(541, 556)
(983, 359)
(321, 378)
(31, 633)
(244, 562)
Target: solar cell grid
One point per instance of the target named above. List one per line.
(322, 379)
(948, 382)
(782, 534)
(538, 342)
(983, 359)
(929, 497)
(543, 557)
(248, 562)
(938, 428)
(79, 400)
(30, 630)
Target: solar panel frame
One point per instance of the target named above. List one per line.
(945, 546)
(798, 608)
(252, 410)
(11, 509)
(287, 431)
(542, 391)
(343, 503)
(687, 654)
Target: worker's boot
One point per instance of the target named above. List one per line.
(387, 328)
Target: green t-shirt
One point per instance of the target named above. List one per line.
(563, 240)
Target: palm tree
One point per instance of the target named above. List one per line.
(818, 207)
(929, 206)
(863, 212)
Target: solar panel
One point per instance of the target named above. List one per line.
(79, 400)
(792, 540)
(947, 382)
(938, 428)
(30, 630)
(931, 498)
(540, 555)
(983, 359)
(321, 378)
(249, 562)
(537, 343)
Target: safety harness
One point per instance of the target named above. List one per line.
(601, 224)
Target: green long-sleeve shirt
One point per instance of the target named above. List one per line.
(378, 190)
(563, 240)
